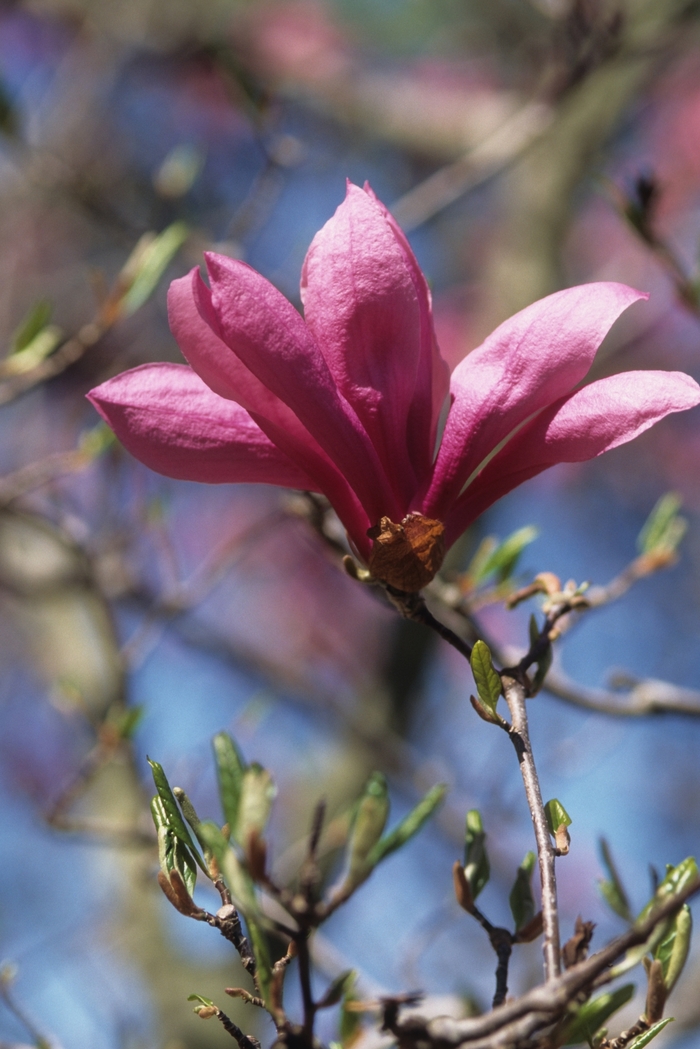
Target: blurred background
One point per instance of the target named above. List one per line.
(525, 146)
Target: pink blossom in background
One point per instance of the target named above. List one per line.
(349, 400)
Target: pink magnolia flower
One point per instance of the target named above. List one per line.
(348, 400)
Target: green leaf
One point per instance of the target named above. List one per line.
(612, 890)
(664, 529)
(174, 819)
(230, 768)
(504, 559)
(350, 1022)
(672, 952)
(592, 1015)
(128, 721)
(543, 665)
(677, 879)
(475, 570)
(409, 825)
(488, 683)
(172, 852)
(257, 794)
(368, 826)
(476, 861)
(148, 263)
(199, 998)
(30, 326)
(190, 814)
(337, 989)
(643, 1039)
(557, 816)
(522, 902)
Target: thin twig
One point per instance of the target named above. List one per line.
(245, 1041)
(515, 697)
(541, 1006)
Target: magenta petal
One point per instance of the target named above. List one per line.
(529, 361)
(267, 334)
(171, 421)
(367, 304)
(228, 376)
(580, 426)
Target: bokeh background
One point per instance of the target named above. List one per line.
(506, 136)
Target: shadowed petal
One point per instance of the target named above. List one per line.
(171, 421)
(267, 334)
(367, 304)
(580, 426)
(529, 361)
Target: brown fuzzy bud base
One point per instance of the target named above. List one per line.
(407, 555)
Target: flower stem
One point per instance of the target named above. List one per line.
(515, 698)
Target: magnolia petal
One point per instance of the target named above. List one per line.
(433, 380)
(270, 338)
(189, 309)
(528, 362)
(367, 304)
(169, 419)
(577, 427)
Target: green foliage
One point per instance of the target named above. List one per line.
(337, 989)
(367, 828)
(522, 902)
(147, 264)
(409, 825)
(230, 769)
(255, 801)
(593, 1014)
(30, 326)
(643, 1039)
(673, 950)
(663, 529)
(172, 852)
(172, 812)
(499, 560)
(488, 683)
(557, 816)
(503, 561)
(476, 861)
(350, 1021)
(611, 889)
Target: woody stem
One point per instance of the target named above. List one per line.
(515, 698)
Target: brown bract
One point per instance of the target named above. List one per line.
(407, 555)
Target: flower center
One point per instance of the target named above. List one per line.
(407, 555)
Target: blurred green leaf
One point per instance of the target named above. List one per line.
(95, 441)
(350, 1022)
(643, 1039)
(677, 878)
(367, 828)
(488, 683)
(190, 814)
(503, 561)
(129, 720)
(664, 529)
(257, 794)
(409, 825)
(174, 818)
(261, 952)
(612, 890)
(557, 816)
(543, 665)
(522, 902)
(30, 326)
(179, 171)
(230, 768)
(476, 861)
(592, 1015)
(147, 264)
(337, 989)
(672, 952)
